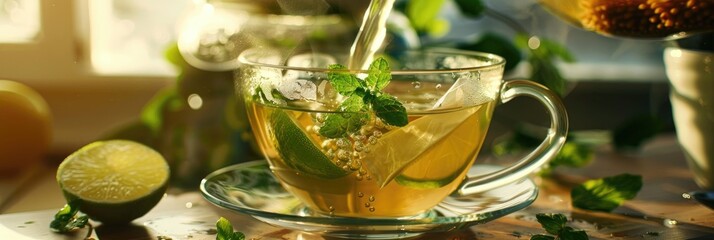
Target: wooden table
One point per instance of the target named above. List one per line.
(658, 212)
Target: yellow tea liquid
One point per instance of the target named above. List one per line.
(378, 171)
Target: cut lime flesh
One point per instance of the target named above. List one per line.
(299, 151)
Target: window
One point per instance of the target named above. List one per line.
(19, 20)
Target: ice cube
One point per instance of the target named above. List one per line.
(298, 89)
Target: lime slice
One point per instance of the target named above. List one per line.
(400, 148)
(25, 127)
(299, 151)
(114, 181)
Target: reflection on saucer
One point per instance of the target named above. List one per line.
(250, 188)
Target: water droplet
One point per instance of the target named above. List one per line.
(416, 84)
(189, 205)
(343, 143)
(670, 223)
(355, 165)
(342, 154)
(367, 205)
(686, 196)
(320, 117)
(331, 208)
(358, 147)
(377, 134)
(360, 194)
(372, 140)
(438, 86)
(371, 209)
(371, 198)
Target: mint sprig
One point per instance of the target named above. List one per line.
(225, 231)
(68, 219)
(555, 224)
(606, 194)
(361, 97)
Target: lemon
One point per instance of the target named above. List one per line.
(25, 127)
(299, 151)
(114, 181)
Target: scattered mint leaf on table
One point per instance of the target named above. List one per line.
(606, 194)
(555, 224)
(361, 96)
(67, 220)
(225, 231)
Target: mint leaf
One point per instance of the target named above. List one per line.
(339, 125)
(343, 82)
(542, 237)
(569, 233)
(606, 194)
(379, 75)
(225, 231)
(66, 219)
(552, 223)
(348, 121)
(353, 103)
(390, 110)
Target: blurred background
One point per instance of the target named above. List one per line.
(98, 63)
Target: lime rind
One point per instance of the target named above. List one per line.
(114, 181)
(298, 151)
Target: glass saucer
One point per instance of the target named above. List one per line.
(250, 188)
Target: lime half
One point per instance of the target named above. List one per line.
(299, 151)
(114, 181)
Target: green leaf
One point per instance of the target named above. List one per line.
(343, 82)
(339, 125)
(542, 237)
(493, 43)
(78, 222)
(569, 233)
(422, 12)
(471, 8)
(353, 103)
(65, 219)
(573, 154)
(635, 131)
(166, 100)
(541, 59)
(390, 110)
(606, 194)
(379, 74)
(224, 229)
(551, 222)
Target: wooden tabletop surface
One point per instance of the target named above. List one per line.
(658, 212)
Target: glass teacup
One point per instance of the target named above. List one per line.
(373, 166)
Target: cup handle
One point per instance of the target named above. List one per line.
(541, 155)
